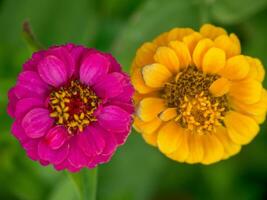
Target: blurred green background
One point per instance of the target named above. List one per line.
(137, 171)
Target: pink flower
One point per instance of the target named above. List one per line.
(72, 107)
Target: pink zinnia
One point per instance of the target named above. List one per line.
(72, 107)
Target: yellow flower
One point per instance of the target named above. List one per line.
(197, 98)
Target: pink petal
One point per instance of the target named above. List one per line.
(66, 165)
(30, 85)
(128, 107)
(12, 101)
(128, 90)
(19, 132)
(53, 71)
(110, 86)
(76, 156)
(37, 122)
(115, 66)
(44, 162)
(91, 141)
(56, 137)
(77, 53)
(111, 143)
(31, 147)
(31, 64)
(53, 156)
(25, 105)
(93, 68)
(103, 159)
(121, 137)
(114, 119)
(62, 53)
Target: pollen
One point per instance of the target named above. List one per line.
(73, 106)
(197, 109)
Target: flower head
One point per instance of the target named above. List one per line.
(72, 107)
(197, 98)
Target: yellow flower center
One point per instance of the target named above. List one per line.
(197, 109)
(73, 106)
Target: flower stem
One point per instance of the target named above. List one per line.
(86, 183)
(30, 38)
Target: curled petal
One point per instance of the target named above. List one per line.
(55, 156)
(201, 48)
(236, 68)
(56, 137)
(147, 110)
(147, 127)
(53, 71)
(167, 57)
(93, 68)
(114, 119)
(211, 31)
(156, 75)
(213, 60)
(230, 44)
(220, 87)
(36, 122)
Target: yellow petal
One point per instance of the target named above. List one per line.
(192, 40)
(252, 109)
(167, 57)
(168, 114)
(169, 136)
(256, 69)
(230, 148)
(213, 60)
(213, 149)
(138, 82)
(230, 44)
(220, 87)
(196, 151)
(156, 75)
(236, 68)
(241, 128)
(259, 118)
(202, 47)
(146, 127)
(247, 91)
(182, 150)
(151, 138)
(182, 53)
(161, 40)
(211, 31)
(138, 96)
(149, 108)
(144, 55)
(179, 33)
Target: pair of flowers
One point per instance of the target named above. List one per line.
(195, 97)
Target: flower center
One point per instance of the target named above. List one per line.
(197, 109)
(73, 106)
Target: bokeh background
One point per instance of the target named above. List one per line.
(137, 171)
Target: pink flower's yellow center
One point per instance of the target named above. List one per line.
(197, 109)
(73, 106)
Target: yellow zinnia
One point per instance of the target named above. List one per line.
(198, 99)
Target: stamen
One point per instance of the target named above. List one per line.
(197, 109)
(73, 106)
